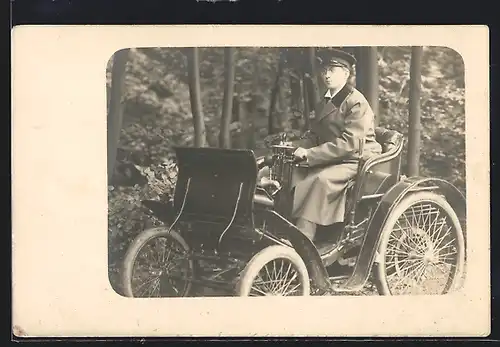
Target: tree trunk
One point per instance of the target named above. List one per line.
(360, 69)
(414, 116)
(195, 97)
(284, 108)
(313, 85)
(272, 119)
(242, 118)
(296, 101)
(367, 77)
(252, 106)
(227, 107)
(295, 63)
(115, 110)
(307, 109)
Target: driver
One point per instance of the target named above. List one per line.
(345, 118)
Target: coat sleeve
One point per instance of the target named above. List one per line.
(357, 122)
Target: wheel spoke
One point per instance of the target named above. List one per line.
(267, 272)
(405, 277)
(156, 288)
(446, 245)
(288, 283)
(446, 255)
(288, 270)
(292, 290)
(421, 250)
(279, 276)
(155, 262)
(279, 281)
(413, 218)
(436, 232)
(258, 290)
(446, 264)
(261, 282)
(164, 250)
(420, 276)
(403, 270)
(416, 280)
(151, 279)
(265, 283)
(406, 236)
(272, 280)
(397, 251)
(396, 265)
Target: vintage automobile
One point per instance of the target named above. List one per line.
(225, 233)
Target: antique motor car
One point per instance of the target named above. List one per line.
(225, 233)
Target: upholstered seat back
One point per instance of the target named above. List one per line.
(388, 139)
(381, 172)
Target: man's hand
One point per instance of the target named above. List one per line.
(300, 153)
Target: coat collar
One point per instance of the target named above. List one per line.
(335, 102)
(340, 97)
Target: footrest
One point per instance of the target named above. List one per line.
(325, 246)
(353, 252)
(337, 270)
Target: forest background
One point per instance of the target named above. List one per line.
(235, 97)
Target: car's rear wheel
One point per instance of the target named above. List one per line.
(422, 248)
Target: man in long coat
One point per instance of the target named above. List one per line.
(345, 119)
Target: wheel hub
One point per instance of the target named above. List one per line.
(430, 257)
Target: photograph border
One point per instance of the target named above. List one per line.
(83, 191)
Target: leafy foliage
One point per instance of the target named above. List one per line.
(158, 116)
(442, 108)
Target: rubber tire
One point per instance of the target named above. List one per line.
(142, 239)
(412, 199)
(263, 257)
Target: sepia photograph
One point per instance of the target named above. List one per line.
(286, 171)
(238, 181)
